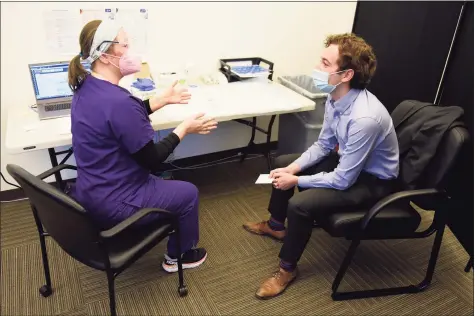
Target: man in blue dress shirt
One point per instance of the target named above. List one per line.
(354, 162)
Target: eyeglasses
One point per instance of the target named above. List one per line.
(125, 45)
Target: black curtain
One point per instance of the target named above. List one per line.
(411, 41)
(458, 90)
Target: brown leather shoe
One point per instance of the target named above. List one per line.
(262, 228)
(276, 285)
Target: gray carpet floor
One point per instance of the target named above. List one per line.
(238, 261)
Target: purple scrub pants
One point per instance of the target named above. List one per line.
(174, 196)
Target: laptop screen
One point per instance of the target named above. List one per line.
(50, 81)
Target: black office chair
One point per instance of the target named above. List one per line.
(394, 218)
(70, 225)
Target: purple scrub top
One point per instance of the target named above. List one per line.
(108, 125)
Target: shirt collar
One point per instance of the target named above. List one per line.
(345, 102)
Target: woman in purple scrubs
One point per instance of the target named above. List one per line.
(113, 143)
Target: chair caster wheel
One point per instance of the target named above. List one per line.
(45, 291)
(183, 291)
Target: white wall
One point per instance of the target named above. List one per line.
(289, 34)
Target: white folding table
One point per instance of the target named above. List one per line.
(233, 101)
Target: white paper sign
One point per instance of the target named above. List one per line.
(88, 15)
(62, 28)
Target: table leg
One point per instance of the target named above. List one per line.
(251, 143)
(68, 153)
(267, 148)
(54, 163)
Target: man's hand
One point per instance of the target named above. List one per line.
(279, 170)
(291, 169)
(171, 95)
(284, 181)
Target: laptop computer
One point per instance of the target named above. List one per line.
(50, 84)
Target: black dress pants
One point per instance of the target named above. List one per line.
(301, 209)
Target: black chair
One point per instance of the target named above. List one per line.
(112, 250)
(394, 218)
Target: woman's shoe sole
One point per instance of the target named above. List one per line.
(174, 268)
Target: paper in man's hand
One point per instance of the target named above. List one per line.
(264, 179)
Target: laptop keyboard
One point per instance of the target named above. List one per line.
(57, 107)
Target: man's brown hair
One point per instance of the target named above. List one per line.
(355, 54)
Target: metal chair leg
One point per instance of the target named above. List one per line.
(110, 282)
(340, 296)
(46, 290)
(433, 259)
(469, 265)
(344, 266)
(182, 290)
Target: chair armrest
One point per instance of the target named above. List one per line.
(396, 197)
(54, 170)
(117, 229)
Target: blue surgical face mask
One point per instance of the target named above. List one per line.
(320, 79)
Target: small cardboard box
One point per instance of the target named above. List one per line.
(144, 73)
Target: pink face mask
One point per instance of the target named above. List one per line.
(128, 64)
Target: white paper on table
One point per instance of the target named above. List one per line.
(64, 125)
(62, 28)
(264, 179)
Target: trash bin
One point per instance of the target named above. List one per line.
(298, 131)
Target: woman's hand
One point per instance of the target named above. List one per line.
(196, 125)
(199, 125)
(171, 95)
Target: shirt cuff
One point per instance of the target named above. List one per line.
(304, 181)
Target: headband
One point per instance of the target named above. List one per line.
(103, 38)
